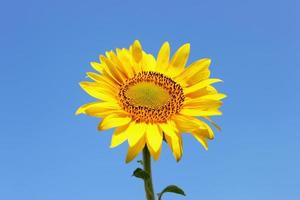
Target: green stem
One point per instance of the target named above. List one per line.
(147, 168)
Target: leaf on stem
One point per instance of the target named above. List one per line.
(140, 173)
(172, 189)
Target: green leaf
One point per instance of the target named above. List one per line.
(172, 189)
(140, 173)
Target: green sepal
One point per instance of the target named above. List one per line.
(141, 162)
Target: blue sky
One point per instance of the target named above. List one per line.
(48, 153)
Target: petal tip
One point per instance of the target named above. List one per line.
(208, 60)
(82, 84)
(100, 127)
(137, 51)
(136, 42)
(166, 43)
(79, 111)
(102, 58)
(93, 63)
(186, 46)
(128, 159)
(178, 159)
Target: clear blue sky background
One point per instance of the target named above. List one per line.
(48, 153)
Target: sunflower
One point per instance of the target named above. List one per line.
(149, 100)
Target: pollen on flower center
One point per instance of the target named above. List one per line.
(151, 97)
(147, 94)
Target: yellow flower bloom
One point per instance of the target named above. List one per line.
(149, 100)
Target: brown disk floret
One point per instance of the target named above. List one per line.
(150, 114)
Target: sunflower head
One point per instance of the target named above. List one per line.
(149, 99)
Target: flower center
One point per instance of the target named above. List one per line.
(151, 97)
(147, 94)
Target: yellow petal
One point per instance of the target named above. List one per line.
(148, 62)
(136, 66)
(119, 136)
(163, 57)
(135, 132)
(154, 140)
(200, 85)
(113, 120)
(135, 150)
(201, 139)
(213, 123)
(173, 139)
(102, 80)
(179, 59)
(126, 61)
(217, 96)
(137, 51)
(192, 124)
(111, 69)
(81, 109)
(199, 76)
(112, 105)
(194, 68)
(199, 112)
(118, 64)
(205, 130)
(202, 92)
(98, 91)
(204, 104)
(203, 133)
(93, 76)
(97, 66)
(99, 109)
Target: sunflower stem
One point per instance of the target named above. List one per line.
(147, 168)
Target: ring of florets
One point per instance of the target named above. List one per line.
(150, 114)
